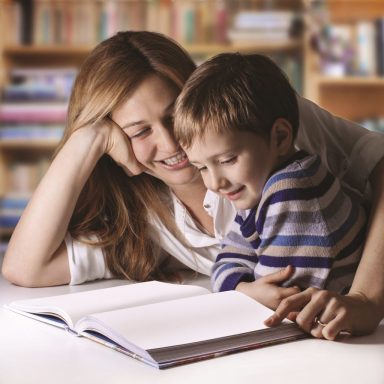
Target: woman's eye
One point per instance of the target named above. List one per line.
(201, 169)
(230, 160)
(140, 133)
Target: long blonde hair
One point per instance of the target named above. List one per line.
(113, 206)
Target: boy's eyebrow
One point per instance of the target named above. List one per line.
(166, 110)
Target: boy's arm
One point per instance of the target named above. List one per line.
(233, 265)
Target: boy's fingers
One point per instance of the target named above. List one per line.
(280, 276)
(286, 292)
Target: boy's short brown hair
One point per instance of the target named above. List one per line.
(233, 91)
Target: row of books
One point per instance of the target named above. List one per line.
(25, 174)
(88, 21)
(39, 84)
(261, 26)
(49, 132)
(356, 49)
(11, 208)
(35, 103)
(375, 124)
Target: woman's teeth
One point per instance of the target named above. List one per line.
(175, 159)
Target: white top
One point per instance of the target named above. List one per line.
(349, 151)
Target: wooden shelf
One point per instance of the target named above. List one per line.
(17, 50)
(351, 80)
(83, 50)
(251, 46)
(28, 144)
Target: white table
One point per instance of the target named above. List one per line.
(33, 352)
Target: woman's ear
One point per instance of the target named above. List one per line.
(282, 137)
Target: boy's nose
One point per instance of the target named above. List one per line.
(216, 181)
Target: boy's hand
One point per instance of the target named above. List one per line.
(267, 291)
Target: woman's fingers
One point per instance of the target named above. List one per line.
(316, 304)
(119, 148)
(290, 304)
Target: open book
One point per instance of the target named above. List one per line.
(162, 324)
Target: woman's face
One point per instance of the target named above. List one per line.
(146, 118)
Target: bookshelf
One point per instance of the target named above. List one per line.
(351, 94)
(60, 33)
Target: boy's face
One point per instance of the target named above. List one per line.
(235, 165)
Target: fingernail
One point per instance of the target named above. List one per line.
(268, 322)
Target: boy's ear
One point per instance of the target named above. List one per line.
(281, 136)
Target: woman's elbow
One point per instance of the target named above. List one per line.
(18, 276)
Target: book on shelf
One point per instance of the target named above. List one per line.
(162, 324)
(39, 84)
(43, 22)
(33, 132)
(39, 112)
(257, 26)
(11, 208)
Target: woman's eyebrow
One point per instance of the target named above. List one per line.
(132, 124)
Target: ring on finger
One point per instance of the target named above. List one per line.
(317, 321)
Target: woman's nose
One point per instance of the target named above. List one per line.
(166, 140)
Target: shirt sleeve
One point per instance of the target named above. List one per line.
(349, 151)
(235, 263)
(86, 262)
(307, 221)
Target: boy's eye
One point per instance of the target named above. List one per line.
(201, 169)
(230, 160)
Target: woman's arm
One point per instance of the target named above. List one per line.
(361, 310)
(37, 255)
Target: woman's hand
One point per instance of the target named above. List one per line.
(326, 314)
(118, 146)
(267, 291)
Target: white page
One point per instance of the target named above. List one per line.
(77, 305)
(185, 320)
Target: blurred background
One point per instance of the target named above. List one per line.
(332, 51)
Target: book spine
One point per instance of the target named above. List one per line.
(26, 22)
(379, 32)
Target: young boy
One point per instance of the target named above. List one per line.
(237, 118)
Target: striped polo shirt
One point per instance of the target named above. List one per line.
(304, 219)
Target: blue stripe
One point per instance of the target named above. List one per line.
(256, 243)
(233, 280)
(293, 194)
(296, 261)
(239, 220)
(248, 227)
(229, 255)
(298, 241)
(308, 172)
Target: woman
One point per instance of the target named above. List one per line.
(120, 195)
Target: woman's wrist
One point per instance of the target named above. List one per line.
(93, 138)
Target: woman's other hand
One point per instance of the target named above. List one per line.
(326, 314)
(118, 146)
